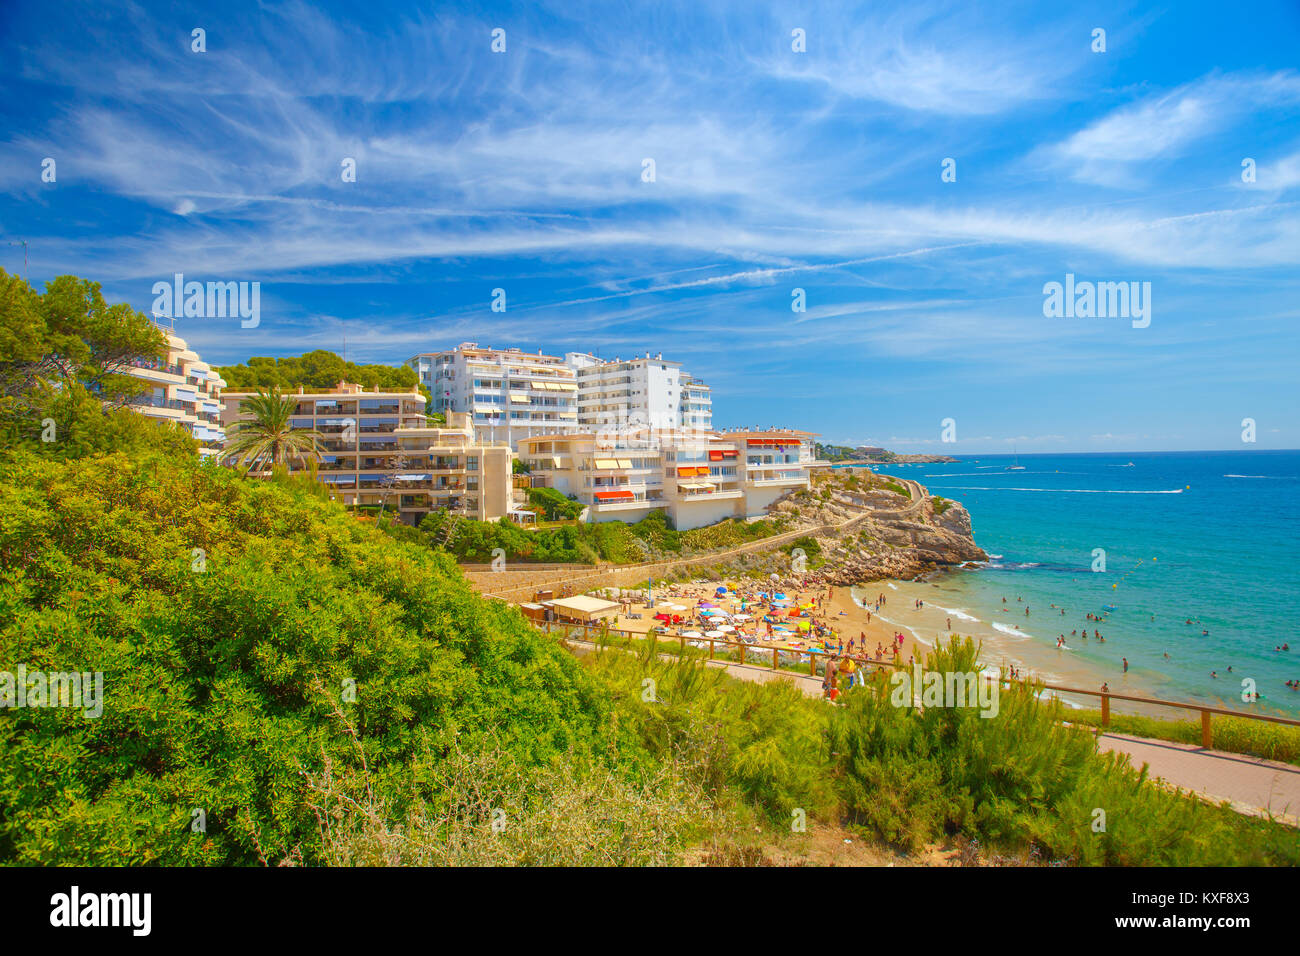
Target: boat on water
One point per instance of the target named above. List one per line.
(1129, 465)
(1017, 466)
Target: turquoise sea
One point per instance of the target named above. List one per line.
(1206, 536)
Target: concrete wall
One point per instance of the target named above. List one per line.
(758, 499)
(696, 514)
(630, 515)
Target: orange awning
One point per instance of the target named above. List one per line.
(614, 496)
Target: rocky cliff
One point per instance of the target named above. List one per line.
(872, 527)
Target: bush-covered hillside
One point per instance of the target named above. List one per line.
(225, 667)
(651, 538)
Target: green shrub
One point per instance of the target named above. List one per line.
(224, 679)
(1022, 779)
(554, 505)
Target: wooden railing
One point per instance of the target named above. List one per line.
(603, 633)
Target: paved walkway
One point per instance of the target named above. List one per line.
(1252, 785)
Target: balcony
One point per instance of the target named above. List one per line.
(771, 478)
(606, 507)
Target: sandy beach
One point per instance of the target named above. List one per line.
(759, 614)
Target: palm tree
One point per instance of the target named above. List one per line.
(268, 437)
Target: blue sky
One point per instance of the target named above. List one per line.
(774, 170)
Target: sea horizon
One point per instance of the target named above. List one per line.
(1184, 535)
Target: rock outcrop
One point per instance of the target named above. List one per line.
(883, 533)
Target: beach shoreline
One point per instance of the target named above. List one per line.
(850, 613)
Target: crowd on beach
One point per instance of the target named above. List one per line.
(797, 615)
(785, 615)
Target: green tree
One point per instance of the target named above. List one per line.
(64, 358)
(268, 438)
(319, 369)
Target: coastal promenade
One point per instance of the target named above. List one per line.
(1252, 785)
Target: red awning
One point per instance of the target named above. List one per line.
(614, 496)
(730, 454)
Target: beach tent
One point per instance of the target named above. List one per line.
(584, 609)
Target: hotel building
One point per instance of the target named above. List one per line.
(380, 452)
(185, 391)
(774, 462)
(697, 479)
(642, 391)
(509, 394)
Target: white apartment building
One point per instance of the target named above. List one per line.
(773, 462)
(185, 391)
(697, 479)
(648, 391)
(508, 394)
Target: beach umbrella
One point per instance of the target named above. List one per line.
(691, 634)
(720, 590)
(726, 628)
(793, 612)
(740, 617)
(713, 634)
